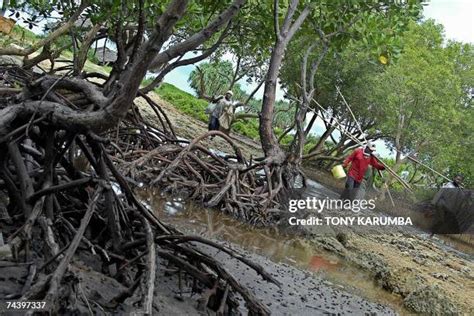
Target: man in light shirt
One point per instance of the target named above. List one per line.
(455, 183)
(222, 105)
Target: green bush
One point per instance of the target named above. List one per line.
(92, 57)
(287, 139)
(26, 34)
(248, 128)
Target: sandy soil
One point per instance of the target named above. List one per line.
(416, 267)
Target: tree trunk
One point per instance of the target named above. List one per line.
(297, 146)
(268, 138)
(80, 61)
(272, 150)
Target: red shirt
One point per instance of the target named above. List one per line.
(360, 163)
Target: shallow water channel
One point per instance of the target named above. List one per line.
(270, 243)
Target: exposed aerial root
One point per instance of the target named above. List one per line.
(68, 193)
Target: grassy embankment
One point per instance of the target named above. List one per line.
(18, 36)
(194, 107)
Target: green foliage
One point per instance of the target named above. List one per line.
(424, 101)
(92, 57)
(353, 34)
(248, 128)
(284, 114)
(34, 12)
(418, 101)
(212, 79)
(374, 25)
(24, 34)
(287, 139)
(311, 141)
(249, 39)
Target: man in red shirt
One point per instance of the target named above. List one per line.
(360, 159)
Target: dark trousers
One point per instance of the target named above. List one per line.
(351, 183)
(351, 188)
(214, 124)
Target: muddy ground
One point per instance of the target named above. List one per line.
(429, 276)
(301, 293)
(402, 269)
(433, 274)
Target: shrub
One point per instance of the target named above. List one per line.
(248, 128)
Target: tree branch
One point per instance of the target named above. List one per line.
(276, 20)
(158, 79)
(63, 29)
(198, 38)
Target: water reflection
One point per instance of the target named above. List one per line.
(317, 263)
(270, 243)
(208, 223)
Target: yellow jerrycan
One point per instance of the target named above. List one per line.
(338, 172)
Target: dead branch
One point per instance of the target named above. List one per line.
(151, 271)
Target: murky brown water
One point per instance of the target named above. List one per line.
(272, 244)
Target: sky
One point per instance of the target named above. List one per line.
(457, 17)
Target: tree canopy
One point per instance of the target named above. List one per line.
(424, 98)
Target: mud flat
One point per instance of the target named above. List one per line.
(384, 270)
(314, 281)
(428, 275)
(301, 292)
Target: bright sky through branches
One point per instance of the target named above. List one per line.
(457, 17)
